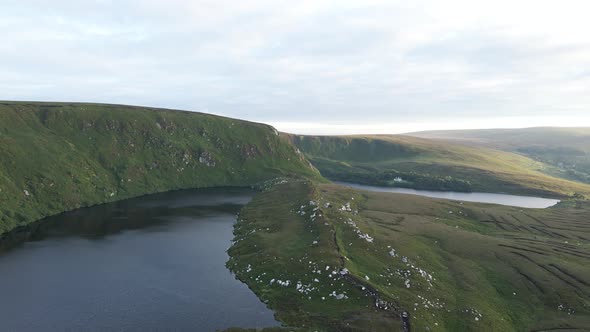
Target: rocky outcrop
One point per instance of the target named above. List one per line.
(207, 159)
(250, 151)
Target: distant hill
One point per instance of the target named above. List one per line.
(568, 149)
(56, 157)
(406, 161)
(578, 138)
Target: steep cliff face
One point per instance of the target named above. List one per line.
(56, 157)
(357, 148)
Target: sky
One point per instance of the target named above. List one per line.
(309, 67)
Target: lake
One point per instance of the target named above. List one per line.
(502, 199)
(150, 263)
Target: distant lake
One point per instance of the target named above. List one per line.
(502, 199)
(146, 264)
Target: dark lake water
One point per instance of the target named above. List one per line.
(145, 264)
(502, 199)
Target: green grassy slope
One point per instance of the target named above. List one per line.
(453, 266)
(288, 256)
(568, 149)
(429, 164)
(56, 157)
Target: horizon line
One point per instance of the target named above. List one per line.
(349, 129)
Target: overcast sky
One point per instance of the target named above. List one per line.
(316, 66)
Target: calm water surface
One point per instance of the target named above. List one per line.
(152, 263)
(502, 199)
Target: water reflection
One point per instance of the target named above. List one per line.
(502, 199)
(151, 263)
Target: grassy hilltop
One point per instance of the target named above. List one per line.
(567, 149)
(56, 157)
(429, 164)
(330, 258)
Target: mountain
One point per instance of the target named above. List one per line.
(56, 157)
(406, 161)
(322, 256)
(567, 149)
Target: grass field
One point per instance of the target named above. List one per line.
(566, 149)
(290, 260)
(429, 164)
(453, 266)
(56, 157)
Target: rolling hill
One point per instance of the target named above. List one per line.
(406, 161)
(566, 149)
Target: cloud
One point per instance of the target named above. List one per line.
(342, 62)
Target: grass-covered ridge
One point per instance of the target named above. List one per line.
(287, 253)
(404, 161)
(330, 258)
(56, 157)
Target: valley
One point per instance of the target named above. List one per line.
(429, 164)
(319, 255)
(566, 149)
